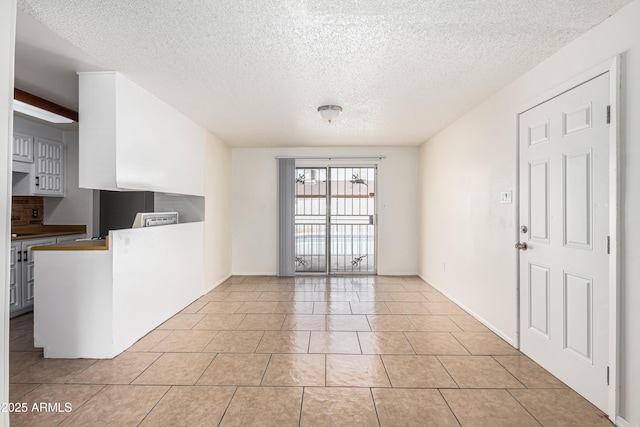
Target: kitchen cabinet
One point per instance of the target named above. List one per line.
(22, 269)
(38, 166)
(49, 165)
(22, 148)
(15, 277)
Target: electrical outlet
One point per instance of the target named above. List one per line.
(34, 213)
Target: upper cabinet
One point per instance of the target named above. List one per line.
(22, 148)
(49, 176)
(38, 164)
(129, 139)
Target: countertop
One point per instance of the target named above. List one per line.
(78, 245)
(41, 231)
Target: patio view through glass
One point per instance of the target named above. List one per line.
(340, 200)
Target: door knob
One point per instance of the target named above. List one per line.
(521, 246)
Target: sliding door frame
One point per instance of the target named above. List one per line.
(315, 164)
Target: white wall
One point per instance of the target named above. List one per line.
(254, 202)
(189, 208)
(39, 129)
(217, 223)
(7, 43)
(77, 205)
(464, 168)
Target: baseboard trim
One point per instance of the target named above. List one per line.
(253, 273)
(473, 313)
(220, 282)
(621, 422)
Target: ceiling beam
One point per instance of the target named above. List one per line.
(36, 101)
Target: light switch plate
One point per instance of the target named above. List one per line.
(505, 197)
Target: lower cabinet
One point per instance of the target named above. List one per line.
(22, 268)
(70, 238)
(15, 277)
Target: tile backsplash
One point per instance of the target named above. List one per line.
(22, 210)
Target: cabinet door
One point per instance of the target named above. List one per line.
(22, 147)
(70, 238)
(28, 266)
(15, 276)
(49, 178)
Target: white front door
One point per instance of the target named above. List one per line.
(564, 221)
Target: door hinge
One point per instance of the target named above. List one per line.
(608, 114)
(607, 375)
(608, 245)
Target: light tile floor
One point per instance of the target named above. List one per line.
(309, 351)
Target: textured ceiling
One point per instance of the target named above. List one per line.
(254, 72)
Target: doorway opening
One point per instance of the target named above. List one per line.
(335, 220)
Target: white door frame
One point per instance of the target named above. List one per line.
(611, 66)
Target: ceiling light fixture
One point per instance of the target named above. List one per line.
(42, 109)
(330, 112)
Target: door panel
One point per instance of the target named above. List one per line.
(539, 133)
(578, 334)
(352, 219)
(577, 199)
(539, 200)
(539, 299)
(577, 120)
(311, 220)
(564, 203)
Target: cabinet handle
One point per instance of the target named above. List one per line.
(26, 256)
(37, 181)
(19, 256)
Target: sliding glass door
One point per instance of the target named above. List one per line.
(311, 220)
(335, 220)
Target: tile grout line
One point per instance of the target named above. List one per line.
(404, 333)
(228, 404)
(215, 356)
(448, 373)
(104, 386)
(375, 407)
(360, 343)
(493, 356)
(259, 341)
(161, 353)
(386, 371)
(156, 404)
(301, 405)
(266, 367)
(324, 357)
(461, 343)
(449, 406)
(522, 406)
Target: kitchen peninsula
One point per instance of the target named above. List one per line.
(94, 300)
